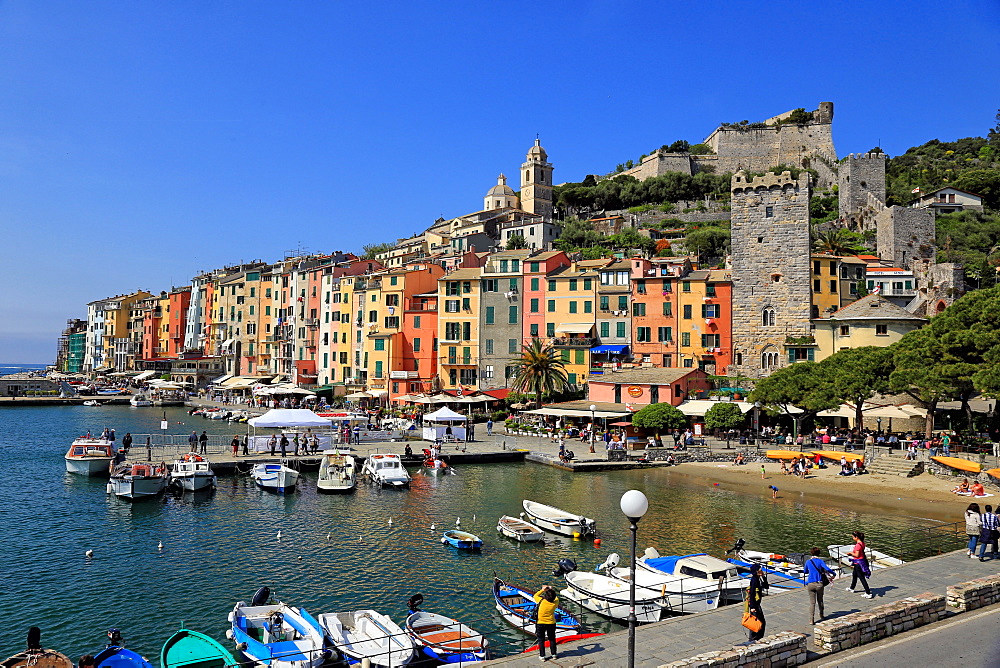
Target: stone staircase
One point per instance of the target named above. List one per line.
(897, 465)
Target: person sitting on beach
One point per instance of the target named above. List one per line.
(784, 467)
(963, 487)
(740, 460)
(977, 489)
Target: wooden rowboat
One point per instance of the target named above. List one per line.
(959, 463)
(190, 649)
(445, 639)
(836, 455)
(37, 657)
(519, 530)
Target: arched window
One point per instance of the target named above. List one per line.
(769, 361)
(767, 317)
(527, 176)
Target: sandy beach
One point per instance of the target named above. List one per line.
(927, 496)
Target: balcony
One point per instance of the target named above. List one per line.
(421, 307)
(458, 361)
(574, 342)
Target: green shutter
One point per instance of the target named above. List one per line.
(579, 357)
(605, 329)
(489, 315)
(791, 355)
(811, 354)
(564, 354)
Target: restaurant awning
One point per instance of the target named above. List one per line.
(222, 379)
(144, 375)
(567, 412)
(616, 350)
(575, 327)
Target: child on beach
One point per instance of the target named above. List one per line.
(762, 472)
(774, 491)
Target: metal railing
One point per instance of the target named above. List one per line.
(920, 542)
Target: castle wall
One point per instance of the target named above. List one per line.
(859, 175)
(659, 163)
(770, 268)
(904, 234)
(759, 149)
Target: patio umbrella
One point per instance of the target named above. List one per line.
(888, 412)
(422, 400)
(358, 395)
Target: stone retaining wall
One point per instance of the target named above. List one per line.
(880, 622)
(778, 650)
(974, 594)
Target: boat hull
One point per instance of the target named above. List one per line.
(876, 559)
(119, 657)
(676, 595)
(190, 649)
(337, 473)
(91, 466)
(367, 634)
(135, 488)
(42, 658)
(462, 540)
(298, 643)
(559, 521)
(196, 482)
(519, 530)
(609, 597)
(516, 606)
(444, 639)
(275, 478)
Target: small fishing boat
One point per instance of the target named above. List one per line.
(90, 456)
(696, 570)
(192, 472)
(140, 401)
(337, 472)
(559, 521)
(785, 454)
(608, 596)
(519, 530)
(876, 559)
(275, 634)
(784, 571)
(442, 638)
(434, 465)
(115, 655)
(35, 656)
(386, 470)
(190, 649)
(367, 634)
(462, 540)
(139, 481)
(91, 402)
(677, 594)
(959, 464)
(275, 477)
(517, 607)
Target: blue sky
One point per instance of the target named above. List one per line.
(143, 142)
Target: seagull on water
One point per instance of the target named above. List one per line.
(432, 526)
(390, 521)
(328, 535)
(279, 534)
(458, 521)
(90, 554)
(159, 545)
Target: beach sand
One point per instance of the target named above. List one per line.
(927, 495)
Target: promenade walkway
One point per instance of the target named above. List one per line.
(683, 637)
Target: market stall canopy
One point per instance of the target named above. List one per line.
(845, 411)
(444, 415)
(405, 397)
(422, 400)
(567, 412)
(288, 417)
(378, 393)
(290, 389)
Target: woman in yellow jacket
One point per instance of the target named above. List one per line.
(545, 627)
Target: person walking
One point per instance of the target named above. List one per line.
(127, 441)
(193, 441)
(295, 443)
(545, 627)
(489, 427)
(859, 561)
(246, 445)
(989, 533)
(357, 434)
(203, 440)
(818, 576)
(235, 444)
(973, 527)
(755, 592)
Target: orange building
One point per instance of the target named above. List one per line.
(641, 387)
(176, 317)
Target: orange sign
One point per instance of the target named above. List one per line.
(634, 391)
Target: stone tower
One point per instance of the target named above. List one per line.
(860, 174)
(536, 182)
(770, 266)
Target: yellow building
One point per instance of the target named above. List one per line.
(870, 321)
(458, 328)
(835, 282)
(570, 315)
(116, 341)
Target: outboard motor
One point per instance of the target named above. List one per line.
(261, 596)
(34, 639)
(564, 566)
(609, 563)
(115, 638)
(415, 602)
(737, 547)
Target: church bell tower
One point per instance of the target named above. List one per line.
(536, 182)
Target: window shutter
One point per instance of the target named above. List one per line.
(811, 354)
(791, 356)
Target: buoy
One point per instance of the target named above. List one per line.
(576, 534)
(109, 488)
(279, 534)
(597, 542)
(715, 484)
(159, 545)
(90, 554)
(300, 557)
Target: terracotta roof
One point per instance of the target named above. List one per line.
(460, 274)
(873, 307)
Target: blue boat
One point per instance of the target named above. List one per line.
(277, 635)
(517, 607)
(116, 656)
(462, 540)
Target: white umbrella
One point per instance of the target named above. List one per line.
(358, 395)
(422, 400)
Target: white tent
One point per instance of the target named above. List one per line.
(444, 414)
(288, 417)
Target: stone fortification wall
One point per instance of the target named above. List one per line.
(660, 163)
(939, 284)
(770, 266)
(860, 175)
(904, 234)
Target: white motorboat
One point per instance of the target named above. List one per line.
(876, 559)
(696, 570)
(92, 402)
(559, 521)
(337, 472)
(366, 634)
(140, 400)
(386, 470)
(193, 472)
(678, 593)
(609, 597)
(519, 530)
(275, 477)
(277, 635)
(139, 481)
(90, 456)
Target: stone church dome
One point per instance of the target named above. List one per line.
(501, 189)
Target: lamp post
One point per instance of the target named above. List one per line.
(634, 504)
(593, 425)
(756, 424)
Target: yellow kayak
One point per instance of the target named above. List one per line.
(784, 454)
(835, 454)
(959, 463)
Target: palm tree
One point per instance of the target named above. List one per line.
(539, 369)
(837, 241)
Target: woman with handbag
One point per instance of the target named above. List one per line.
(973, 527)
(753, 615)
(818, 576)
(859, 561)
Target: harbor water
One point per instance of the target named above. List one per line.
(335, 552)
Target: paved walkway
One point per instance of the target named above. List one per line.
(683, 637)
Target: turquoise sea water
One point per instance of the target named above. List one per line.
(220, 547)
